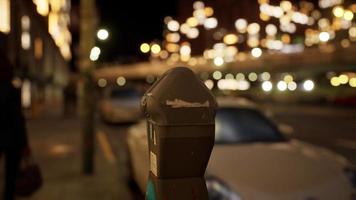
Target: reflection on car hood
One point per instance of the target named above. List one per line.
(285, 170)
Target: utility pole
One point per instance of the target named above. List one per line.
(87, 29)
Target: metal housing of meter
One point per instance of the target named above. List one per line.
(180, 112)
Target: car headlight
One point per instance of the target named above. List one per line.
(220, 191)
(351, 175)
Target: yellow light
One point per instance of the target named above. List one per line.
(286, 5)
(338, 11)
(173, 37)
(56, 5)
(335, 81)
(352, 82)
(155, 48)
(288, 78)
(267, 86)
(42, 7)
(172, 47)
(192, 21)
(285, 39)
(25, 40)
(348, 15)
(209, 11)
(145, 48)
(5, 16)
(253, 42)
(352, 32)
(264, 17)
(230, 39)
(253, 28)
(343, 79)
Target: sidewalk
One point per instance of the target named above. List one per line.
(56, 146)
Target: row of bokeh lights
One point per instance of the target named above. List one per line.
(320, 30)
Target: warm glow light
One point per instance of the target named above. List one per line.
(271, 29)
(267, 86)
(252, 76)
(338, 11)
(265, 76)
(209, 11)
(256, 52)
(292, 86)
(343, 79)
(288, 78)
(25, 40)
(324, 36)
(230, 39)
(218, 61)
(286, 5)
(253, 28)
(282, 86)
(211, 23)
(102, 82)
(173, 25)
(185, 50)
(352, 32)
(193, 33)
(334, 81)
(308, 85)
(352, 82)
(5, 16)
(155, 48)
(241, 25)
(173, 37)
(42, 7)
(217, 75)
(192, 21)
(145, 48)
(38, 48)
(95, 53)
(121, 81)
(102, 34)
(348, 15)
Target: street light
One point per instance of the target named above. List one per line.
(102, 34)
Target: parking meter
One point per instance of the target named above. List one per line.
(180, 112)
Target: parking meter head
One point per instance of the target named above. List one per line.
(181, 113)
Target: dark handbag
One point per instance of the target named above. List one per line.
(29, 179)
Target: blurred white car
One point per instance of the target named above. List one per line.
(120, 105)
(252, 160)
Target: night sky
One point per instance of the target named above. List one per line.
(130, 23)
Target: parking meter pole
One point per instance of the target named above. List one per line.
(180, 112)
(87, 100)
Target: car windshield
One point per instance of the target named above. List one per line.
(242, 125)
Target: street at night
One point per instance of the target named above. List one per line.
(178, 100)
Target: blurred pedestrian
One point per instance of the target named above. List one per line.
(13, 135)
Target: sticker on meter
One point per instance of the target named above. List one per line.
(153, 163)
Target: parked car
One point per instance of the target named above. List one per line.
(120, 105)
(253, 160)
